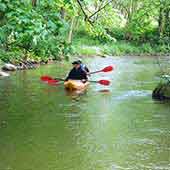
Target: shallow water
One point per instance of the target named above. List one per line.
(118, 127)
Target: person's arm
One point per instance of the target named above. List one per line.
(84, 77)
(69, 75)
(86, 69)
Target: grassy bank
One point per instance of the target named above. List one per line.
(89, 47)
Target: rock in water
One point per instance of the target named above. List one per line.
(162, 92)
(9, 67)
(3, 74)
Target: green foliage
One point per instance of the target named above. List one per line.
(100, 33)
(131, 20)
(119, 27)
(10, 56)
(118, 33)
(104, 24)
(37, 30)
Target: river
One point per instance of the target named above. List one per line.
(118, 127)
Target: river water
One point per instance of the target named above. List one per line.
(118, 127)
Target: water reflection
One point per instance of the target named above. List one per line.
(117, 127)
(105, 91)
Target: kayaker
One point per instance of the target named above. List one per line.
(77, 73)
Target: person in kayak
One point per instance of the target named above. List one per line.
(77, 73)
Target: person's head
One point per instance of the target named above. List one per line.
(76, 64)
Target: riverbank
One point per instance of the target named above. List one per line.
(87, 46)
(7, 67)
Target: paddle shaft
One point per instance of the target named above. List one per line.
(106, 69)
(95, 72)
(80, 80)
(60, 79)
(91, 81)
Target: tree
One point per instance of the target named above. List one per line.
(164, 19)
(34, 3)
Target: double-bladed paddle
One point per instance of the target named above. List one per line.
(55, 81)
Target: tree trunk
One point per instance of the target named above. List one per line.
(76, 23)
(62, 12)
(71, 30)
(164, 19)
(161, 22)
(167, 22)
(34, 3)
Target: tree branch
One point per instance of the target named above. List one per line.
(100, 9)
(85, 15)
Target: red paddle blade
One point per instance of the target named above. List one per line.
(107, 69)
(45, 78)
(52, 82)
(104, 82)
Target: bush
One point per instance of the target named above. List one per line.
(118, 33)
(36, 30)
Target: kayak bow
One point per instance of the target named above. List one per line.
(73, 85)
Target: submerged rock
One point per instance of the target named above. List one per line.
(9, 67)
(162, 92)
(4, 74)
